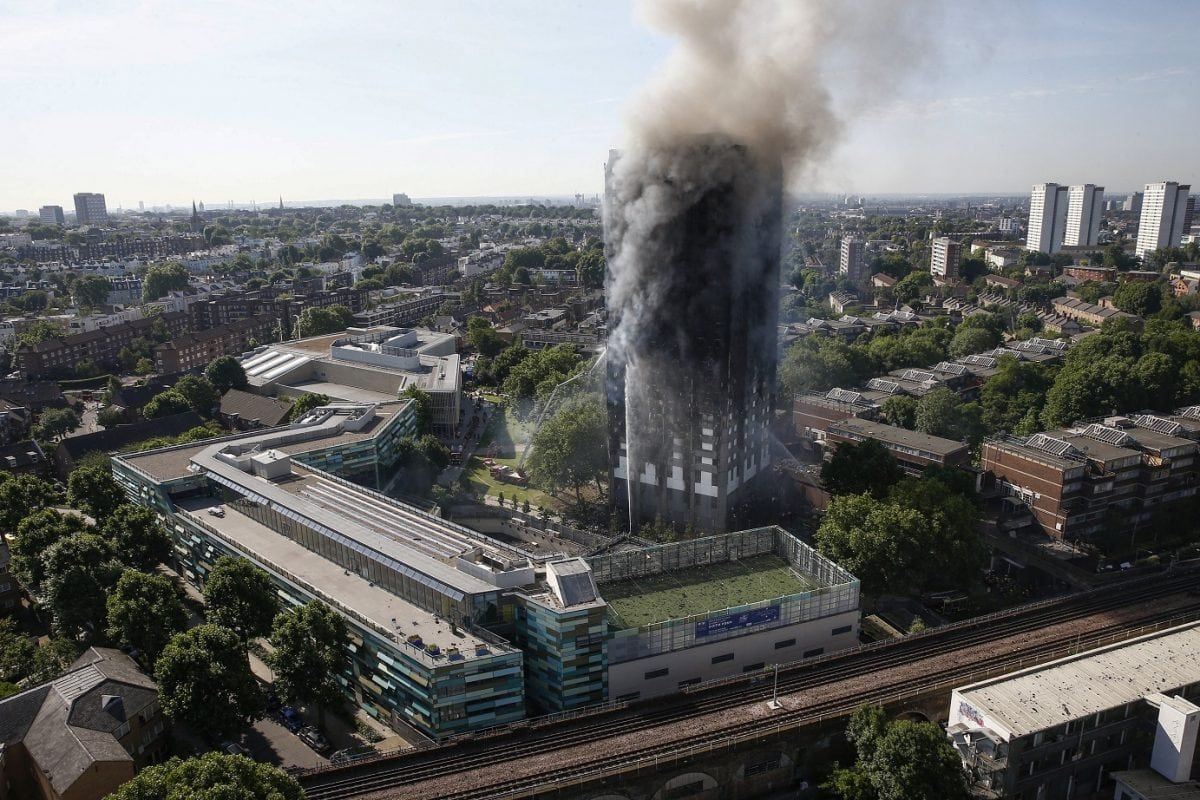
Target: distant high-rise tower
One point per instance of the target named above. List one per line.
(853, 263)
(945, 258)
(692, 230)
(1133, 203)
(1047, 217)
(90, 209)
(400, 199)
(1164, 206)
(52, 215)
(1085, 205)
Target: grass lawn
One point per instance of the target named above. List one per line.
(670, 595)
(503, 440)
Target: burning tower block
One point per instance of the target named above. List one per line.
(693, 231)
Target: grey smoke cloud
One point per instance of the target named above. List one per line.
(780, 76)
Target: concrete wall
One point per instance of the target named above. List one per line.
(696, 662)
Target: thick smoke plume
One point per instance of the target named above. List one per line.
(749, 102)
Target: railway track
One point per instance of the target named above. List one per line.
(463, 756)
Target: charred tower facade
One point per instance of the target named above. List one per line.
(693, 236)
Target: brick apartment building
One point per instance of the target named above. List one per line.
(914, 451)
(406, 311)
(118, 247)
(1078, 481)
(59, 357)
(198, 349)
(273, 301)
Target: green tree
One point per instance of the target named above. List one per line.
(483, 337)
(225, 373)
(570, 448)
(161, 279)
(898, 760)
(1138, 297)
(34, 537)
(204, 681)
(320, 321)
(22, 496)
(55, 423)
(972, 340)
(305, 403)
(1013, 397)
(308, 656)
(212, 776)
(200, 394)
(240, 597)
(40, 331)
(818, 364)
(17, 652)
(858, 467)
(922, 534)
(145, 611)
(91, 291)
(423, 406)
(434, 452)
(94, 491)
(79, 572)
(901, 410)
(942, 413)
(138, 539)
(915, 761)
(164, 404)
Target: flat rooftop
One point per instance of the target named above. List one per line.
(897, 435)
(339, 391)
(1087, 683)
(635, 602)
(172, 463)
(341, 587)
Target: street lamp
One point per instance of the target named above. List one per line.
(775, 705)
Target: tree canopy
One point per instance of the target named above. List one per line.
(858, 467)
(898, 760)
(80, 570)
(160, 279)
(22, 496)
(138, 539)
(570, 449)
(923, 534)
(204, 680)
(225, 373)
(305, 403)
(240, 597)
(211, 776)
(145, 611)
(94, 491)
(164, 404)
(201, 395)
(316, 321)
(308, 656)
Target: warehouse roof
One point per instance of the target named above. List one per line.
(1087, 683)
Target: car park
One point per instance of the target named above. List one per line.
(313, 737)
(291, 719)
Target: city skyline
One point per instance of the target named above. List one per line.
(363, 103)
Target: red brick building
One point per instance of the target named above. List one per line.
(1078, 481)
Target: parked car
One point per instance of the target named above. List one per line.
(233, 749)
(291, 719)
(313, 737)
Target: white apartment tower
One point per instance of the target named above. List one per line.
(1164, 206)
(853, 263)
(945, 258)
(1047, 218)
(52, 215)
(1085, 204)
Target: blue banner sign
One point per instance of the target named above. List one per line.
(742, 619)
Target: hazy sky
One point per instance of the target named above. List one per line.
(166, 101)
